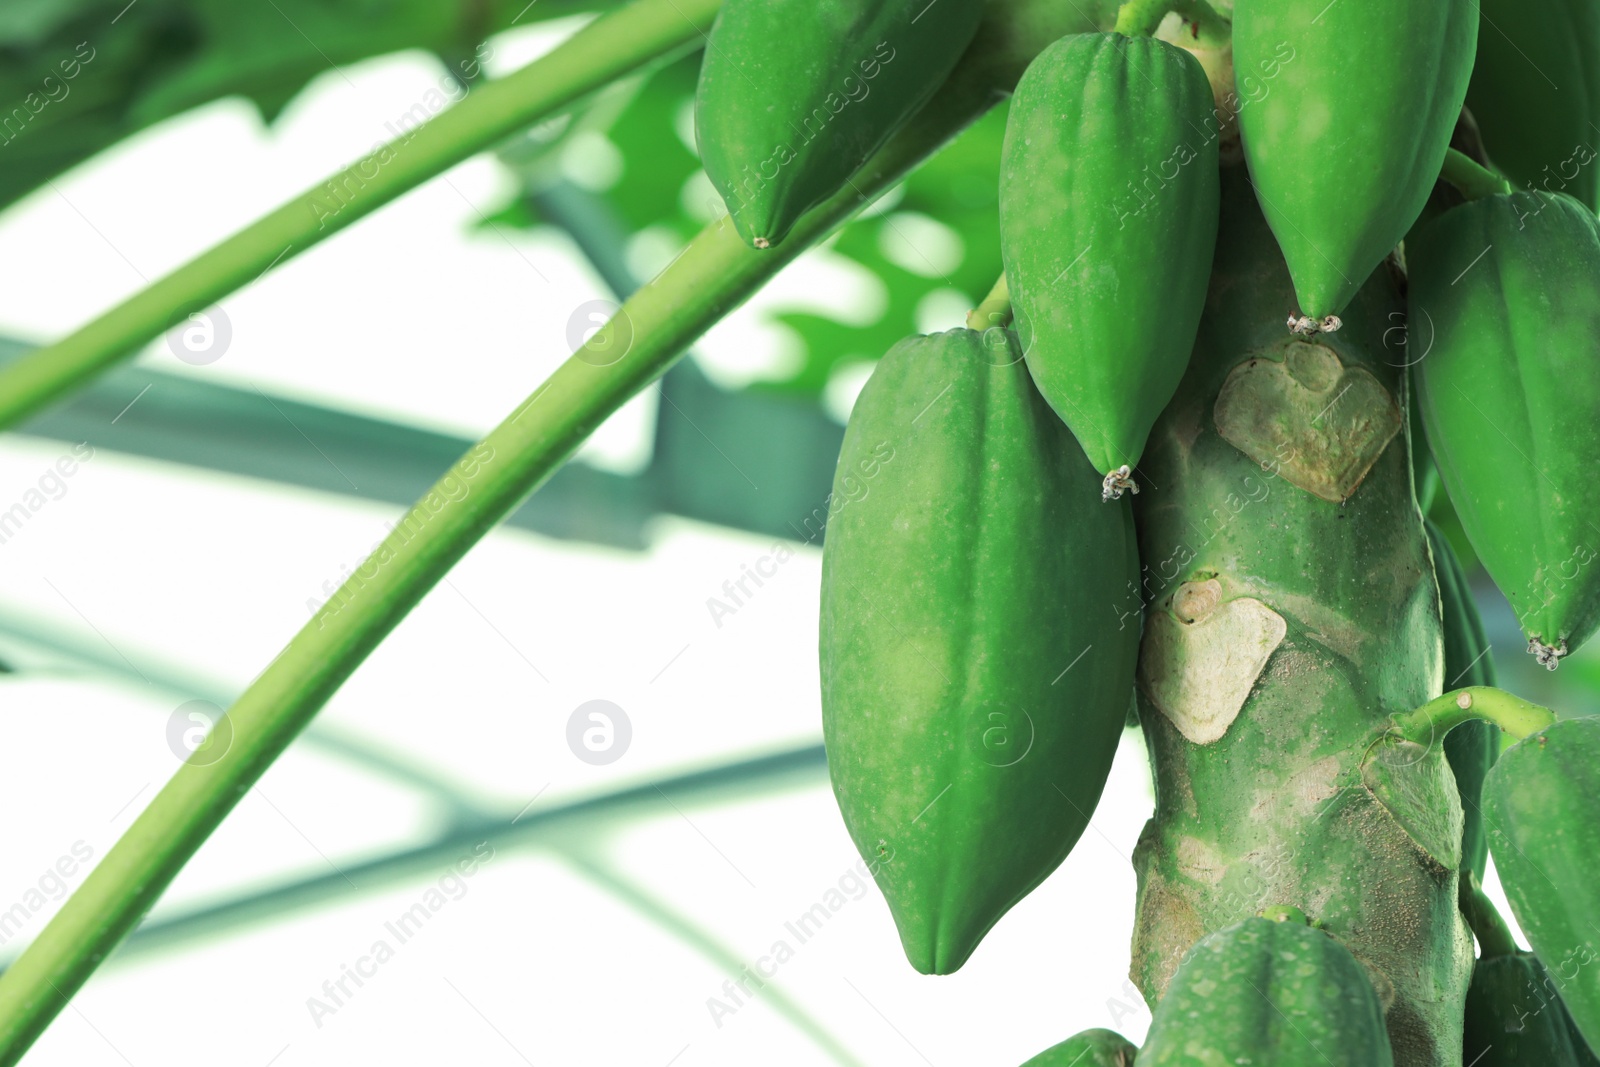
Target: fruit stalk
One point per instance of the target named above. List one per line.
(1439, 716)
(1142, 17)
(995, 309)
(1494, 936)
(1474, 181)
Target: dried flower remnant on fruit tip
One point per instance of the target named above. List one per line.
(1305, 326)
(1118, 482)
(761, 242)
(1549, 657)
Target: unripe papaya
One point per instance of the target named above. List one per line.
(1473, 746)
(1108, 220)
(1514, 1017)
(974, 680)
(794, 95)
(1533, 93)
(1347, 140)
(1266, 992)
(1510, 392)
(1092, 1048)
(1541, 806)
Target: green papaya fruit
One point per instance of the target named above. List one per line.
(794, 95)
(1347, 139)
(1473, 746)
(1510, 393)
(1515, 1017)
(1267, 992)
(1108, 221)
(1541, 806)
(974, 676)
(1533, 93)
(1092, 1048)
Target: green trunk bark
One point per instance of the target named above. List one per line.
(1292, 608)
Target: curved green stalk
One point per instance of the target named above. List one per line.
(1439, 716)
(1141, 18)
(714, 274)
(1494, 936)
(611, 46)
(1473, 180)
(995, 309)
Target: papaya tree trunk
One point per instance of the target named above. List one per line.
(1291, 608)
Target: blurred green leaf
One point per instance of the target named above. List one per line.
(77, 76)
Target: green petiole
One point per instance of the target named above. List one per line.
(995, 309)
(1475, 182)
(1494, 936)
(1517, 717)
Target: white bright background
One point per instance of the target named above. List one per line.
(409, 316)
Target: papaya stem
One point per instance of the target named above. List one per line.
(612, 46)
(1494, 936)
(995, 309)
(1141, 18)
(1439, 716)
(1474, 181)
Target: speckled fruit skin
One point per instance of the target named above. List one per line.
(1347, 141)
(974, 676)
(1108, 220)
(1507, 292)
(1277, 993)
(1541, 805)
(794, 95)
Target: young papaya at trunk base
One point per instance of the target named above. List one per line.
(1092, 1048)
(1271, 992)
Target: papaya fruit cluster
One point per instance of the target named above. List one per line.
(978, 658)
